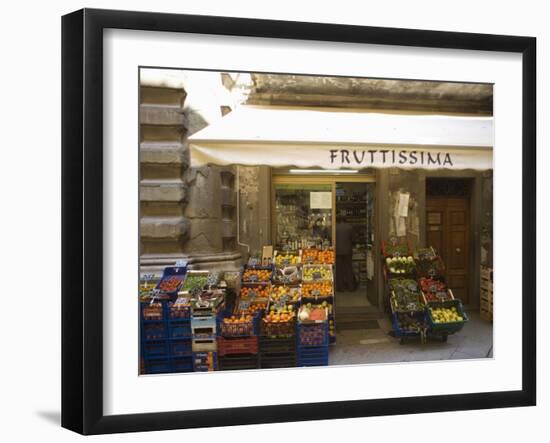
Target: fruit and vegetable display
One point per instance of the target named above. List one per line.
(310, 313)
(286, 259)
(279, 321)
(255, 292)
(181, 308)
(152, 311)
(434, 289)
(211, 299)
(326, 257)
(288, 275)
(256, 275)
(237, 325)
(287, 294)
(317, 289)
(195, 281)
(247, 307)
(429, 267)
(405, 295)
(310, 255)
(170, 283)
(316, 273)
(445, 315)
(410, 324)
(395, 249)
(401, 265)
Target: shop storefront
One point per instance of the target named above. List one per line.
(340, 216)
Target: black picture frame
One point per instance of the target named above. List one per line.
(82, 216)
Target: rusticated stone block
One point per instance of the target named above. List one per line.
(164, 227)
(162, 116)
(162, 190)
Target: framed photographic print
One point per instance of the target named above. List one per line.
(270, 221)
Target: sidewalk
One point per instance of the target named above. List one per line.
(360, 346)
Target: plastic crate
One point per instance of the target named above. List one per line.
(449, 327)
(277, 345)
(204, 344)
(312, 334)
(179, 329)
(273, 361)
(178, 310)
(180, 348)
(278, 330)
(246, 329)
(153, 331)
(312, 356)
(231, 346)
(184, 364)
(202, 326)
(257, 268)
(152, 311)
(398, 319)
(155, 349)
(205, 361)
(238, 362)
(176, 274)
(312, 273)
(157, 365)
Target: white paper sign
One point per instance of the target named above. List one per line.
(320, 200)
(403, 205)
(401, 227)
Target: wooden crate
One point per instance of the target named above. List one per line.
(486, 293)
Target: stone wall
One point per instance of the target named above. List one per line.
(185, 213)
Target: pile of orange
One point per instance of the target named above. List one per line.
(317, 289)
(234, 319)
(326, 257)
(261, 275)
(260, 291)
(278, 317)
(309, 255)
(253, 308)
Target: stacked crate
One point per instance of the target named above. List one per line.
(204, 344)
(238, 343)
(486, 293)
(165, 338)
(312, 344)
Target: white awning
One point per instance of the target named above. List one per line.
(333, 140)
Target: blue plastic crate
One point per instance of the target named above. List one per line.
(157, 366)
(305, 331)
(184, 364)
(155, 349)
(399, 331)
(178, 272)
(180, 348)
(179, 328)
(200, 361)
(312, 356)
(153, 331)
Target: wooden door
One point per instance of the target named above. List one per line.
(448, 231)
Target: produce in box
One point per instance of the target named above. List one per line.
(256, 275)
(326, 257)
(406, 295)
(170, 283)
(255, 291)
(433, 289)
(314, 273)
(288, 275)
(309, 255)
(195, 282)
(317, 289)
(445, 315)
(401, 265)
(311, 314)
(286, 293)
(286, 259)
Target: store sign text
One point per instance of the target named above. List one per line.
(367, 157)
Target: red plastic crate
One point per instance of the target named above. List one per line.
(232, 346)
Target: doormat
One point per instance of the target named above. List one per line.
(360, 324)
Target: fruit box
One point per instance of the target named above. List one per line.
(400, 248)
(195, 280)
(257, 274)
(317, 273)
(446, 327)
(283, 259)
(171, 280)
(238, 328)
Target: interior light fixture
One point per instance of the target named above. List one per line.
(323, 171)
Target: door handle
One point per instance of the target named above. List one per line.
(458, 250)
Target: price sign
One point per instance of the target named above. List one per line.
(317, 275)
(181, 263)
(279, 304)
(244, 305)
(433, 288)
(253, 277)
(432, 273)
(393, 241)
(252, 294)
(286, 262)
(316, 292)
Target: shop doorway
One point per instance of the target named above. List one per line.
(336, 211)
(448, 230)
(355, 245)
